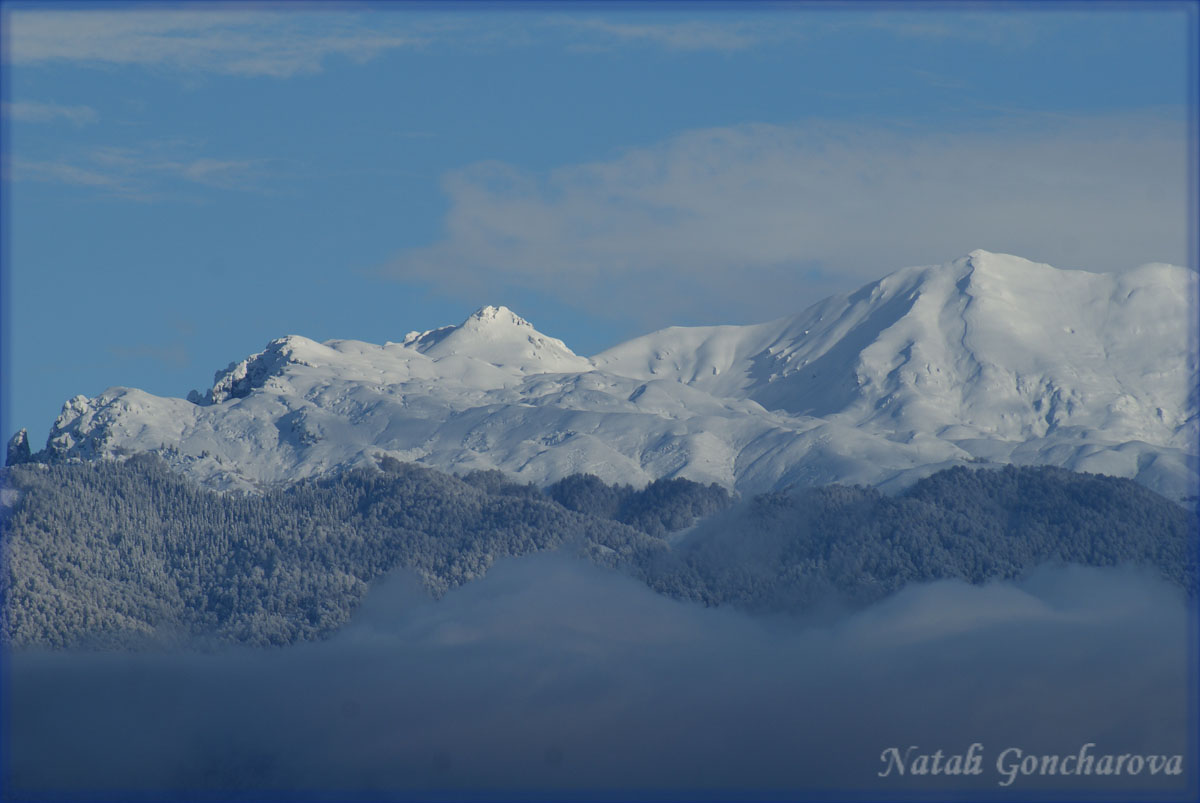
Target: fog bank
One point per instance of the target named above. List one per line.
(551, 678)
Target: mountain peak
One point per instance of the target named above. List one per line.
(497, 335)
(18, 449)
(238, 379)
(498, 314)
(980, 253)
(992, 260)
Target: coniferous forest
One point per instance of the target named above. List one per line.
(130, 555)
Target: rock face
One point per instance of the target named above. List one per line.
(986, 359)
(18, 449)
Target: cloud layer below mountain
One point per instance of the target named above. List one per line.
(554, 679)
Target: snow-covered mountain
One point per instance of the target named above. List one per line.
(989, 358)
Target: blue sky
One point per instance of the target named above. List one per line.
(183, 184)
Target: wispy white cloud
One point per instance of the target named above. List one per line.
(711, 32)
(744, 221)
(62, 173)
(998, 27)
(171, 161)
(243, 42)
(686, 35)
(143, 173)
(29, 112)
(292, 40)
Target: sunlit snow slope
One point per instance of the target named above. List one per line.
(989, 358)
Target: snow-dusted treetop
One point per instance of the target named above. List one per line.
(989, 358)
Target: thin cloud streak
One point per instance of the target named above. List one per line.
(143, 173)
(63, 173)
(714, 34)
(248, 43)
(996, 28)
(281, 44)
(29, 112)
(691, 35)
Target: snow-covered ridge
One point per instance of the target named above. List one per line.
(988, 358)
(995, 343)
(237, 380)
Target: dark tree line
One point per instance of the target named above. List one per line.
(662, 507)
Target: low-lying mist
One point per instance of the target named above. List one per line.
(552, 678)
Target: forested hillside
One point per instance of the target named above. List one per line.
(854, 545)
(129, 553)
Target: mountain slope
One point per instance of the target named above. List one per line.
(989, 358)
(993, 343)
